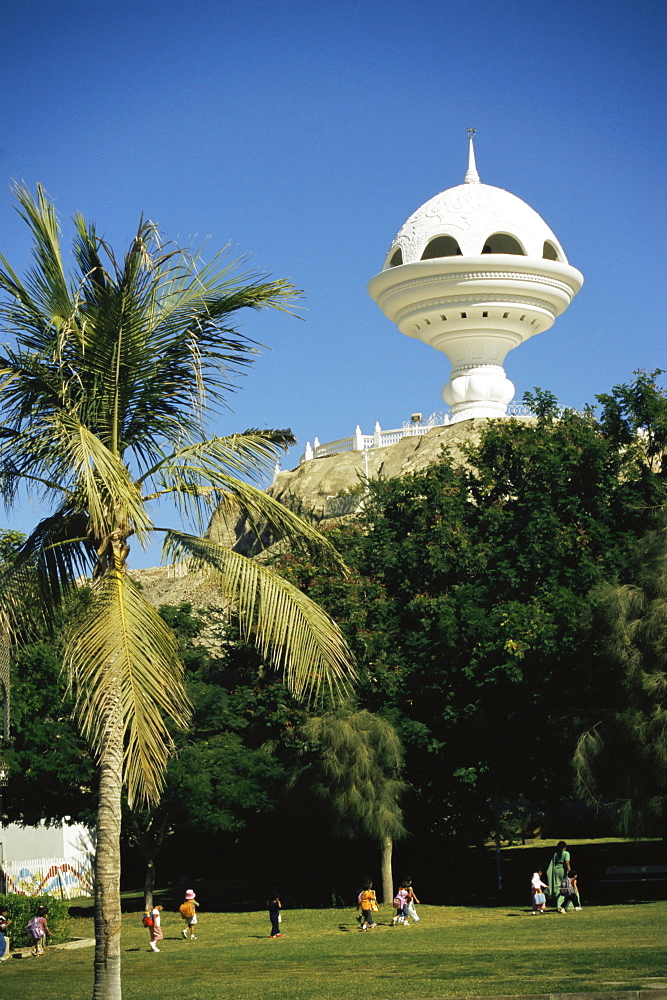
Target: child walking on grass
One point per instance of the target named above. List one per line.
(539, 899)
(367, 903)
(274, 907)
(401, 900)
(188, 911)
(38, 929)
(412, 899)
(570, 892)
(155, 928)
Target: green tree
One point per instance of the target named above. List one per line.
(218, 775)
(635, 415)
(356, 768)
(51, 771)
(10, 544)
(50, 768)
(621, 756)
(105, 393)
(468, 604)
(621, 759)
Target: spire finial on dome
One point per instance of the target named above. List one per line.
(471, 177)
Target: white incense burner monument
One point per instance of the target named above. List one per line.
(475, 272)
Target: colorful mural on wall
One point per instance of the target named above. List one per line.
(50, 877)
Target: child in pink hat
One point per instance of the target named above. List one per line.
(188, 911)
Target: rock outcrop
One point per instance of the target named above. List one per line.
(174, 585)
(316, 486)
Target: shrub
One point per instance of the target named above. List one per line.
(22, 908)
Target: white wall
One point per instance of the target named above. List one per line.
(23, 843)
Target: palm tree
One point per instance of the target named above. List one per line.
(105, 396)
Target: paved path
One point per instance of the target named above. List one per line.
(66, 946)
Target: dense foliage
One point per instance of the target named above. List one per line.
(22, 908)
(469, 605)
(621, 759)
(224, 769)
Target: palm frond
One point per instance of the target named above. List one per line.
(204, 475)
(141, 350)
(292, 632)
(42, 302)
(122, 658)
(186, 329)
(59, 552)
(109, 490)
(252, 454)
(199, 478)
(86, 252)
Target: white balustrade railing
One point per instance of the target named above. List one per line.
(333, 447)
(382, 439)
(519, 410)
(378, 439)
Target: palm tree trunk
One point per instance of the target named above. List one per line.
(107, 867)
(387, 874)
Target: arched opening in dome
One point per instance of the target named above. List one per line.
(503, 243)
(550, 252)
(441, 246)
(396, 258)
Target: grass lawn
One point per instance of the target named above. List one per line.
(452, 952)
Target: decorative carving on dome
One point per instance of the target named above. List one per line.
(471, 213)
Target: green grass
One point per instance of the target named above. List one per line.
(452, 952)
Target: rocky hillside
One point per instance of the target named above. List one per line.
(313, 484)
(172, 585)
(316, 483)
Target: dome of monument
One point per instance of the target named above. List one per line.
(472, 219)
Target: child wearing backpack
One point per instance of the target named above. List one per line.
(188, 911)
(367, 903)
(38, 929)
(401, 904)
(155, 927)
(570, 892)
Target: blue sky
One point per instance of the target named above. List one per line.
(305, 133)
